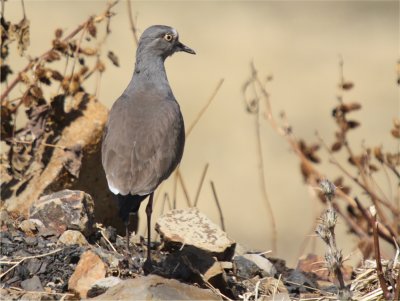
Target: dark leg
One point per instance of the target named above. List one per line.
(127, 234)
(129, 204)
(149, 209)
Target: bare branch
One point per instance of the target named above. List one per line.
(132, 22)
(204, 109)
(196, 199)
(221, 216)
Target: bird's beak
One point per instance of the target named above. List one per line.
(182, 47)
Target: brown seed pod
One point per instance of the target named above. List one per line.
(336, 146)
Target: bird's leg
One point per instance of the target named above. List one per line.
(127, 234)
(149, 209)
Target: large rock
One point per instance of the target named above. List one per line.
(82, 134)
(102, 285)
(190, 227)
(90, 268)
(156, 288)
(64, 210)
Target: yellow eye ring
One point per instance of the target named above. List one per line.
(168, 37)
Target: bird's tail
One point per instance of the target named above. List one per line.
(129, 203)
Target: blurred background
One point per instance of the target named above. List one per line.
(298, 43)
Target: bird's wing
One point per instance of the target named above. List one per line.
(142, 145)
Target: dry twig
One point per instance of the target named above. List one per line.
(18, 78)
(29, 257)
(204, 109)
(203, 175)
(132, 22)
(221, 216)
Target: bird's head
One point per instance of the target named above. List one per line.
(161, 40)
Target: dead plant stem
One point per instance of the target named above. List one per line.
(221, 216)
(204, 109)
(203, 175)
(262, 170)
(29, 257)
(185, 191)
(18, 78)
(132, 22)
(379, 271)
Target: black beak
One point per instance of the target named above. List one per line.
(181, 47)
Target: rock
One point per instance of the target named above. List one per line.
(73, 237)
(33, 265)
(214, 271)
(189, 227)
(245, 268)
(100, 286)
(32, 284)
(30, 226)
(262, 262)
(156, 288)
(66, 209)
(298, 282)
(31, 241)
(112, 259)
(185, 264)
(90, 268)
(48, 234)
(85, 129)
(240, 249)
(4, 218)
(313, 263)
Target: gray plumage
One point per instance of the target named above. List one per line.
(145, 135)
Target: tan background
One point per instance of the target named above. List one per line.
(297, 42)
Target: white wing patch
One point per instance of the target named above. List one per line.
(111, 187)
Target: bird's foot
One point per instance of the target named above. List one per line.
(148, 267)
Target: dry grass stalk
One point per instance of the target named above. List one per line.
(221, 216)
(29, 257)
(183, 185)
(132, 22)
(98, 18)
(204, 109)
(308, 158)
(22, 291)
(253, 107)
(203, 175)
(366, 285)
(326, 230)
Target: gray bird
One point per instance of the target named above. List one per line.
(145, 135)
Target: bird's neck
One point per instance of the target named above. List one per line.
(150, 72)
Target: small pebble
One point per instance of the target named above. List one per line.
(31, 241)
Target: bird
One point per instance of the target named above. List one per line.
(144, 136)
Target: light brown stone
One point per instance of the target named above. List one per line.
(156, 288)
(30, 226)
(72, 237)
(193, 228)
(90, 268)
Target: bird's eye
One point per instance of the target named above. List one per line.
(168, 37)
